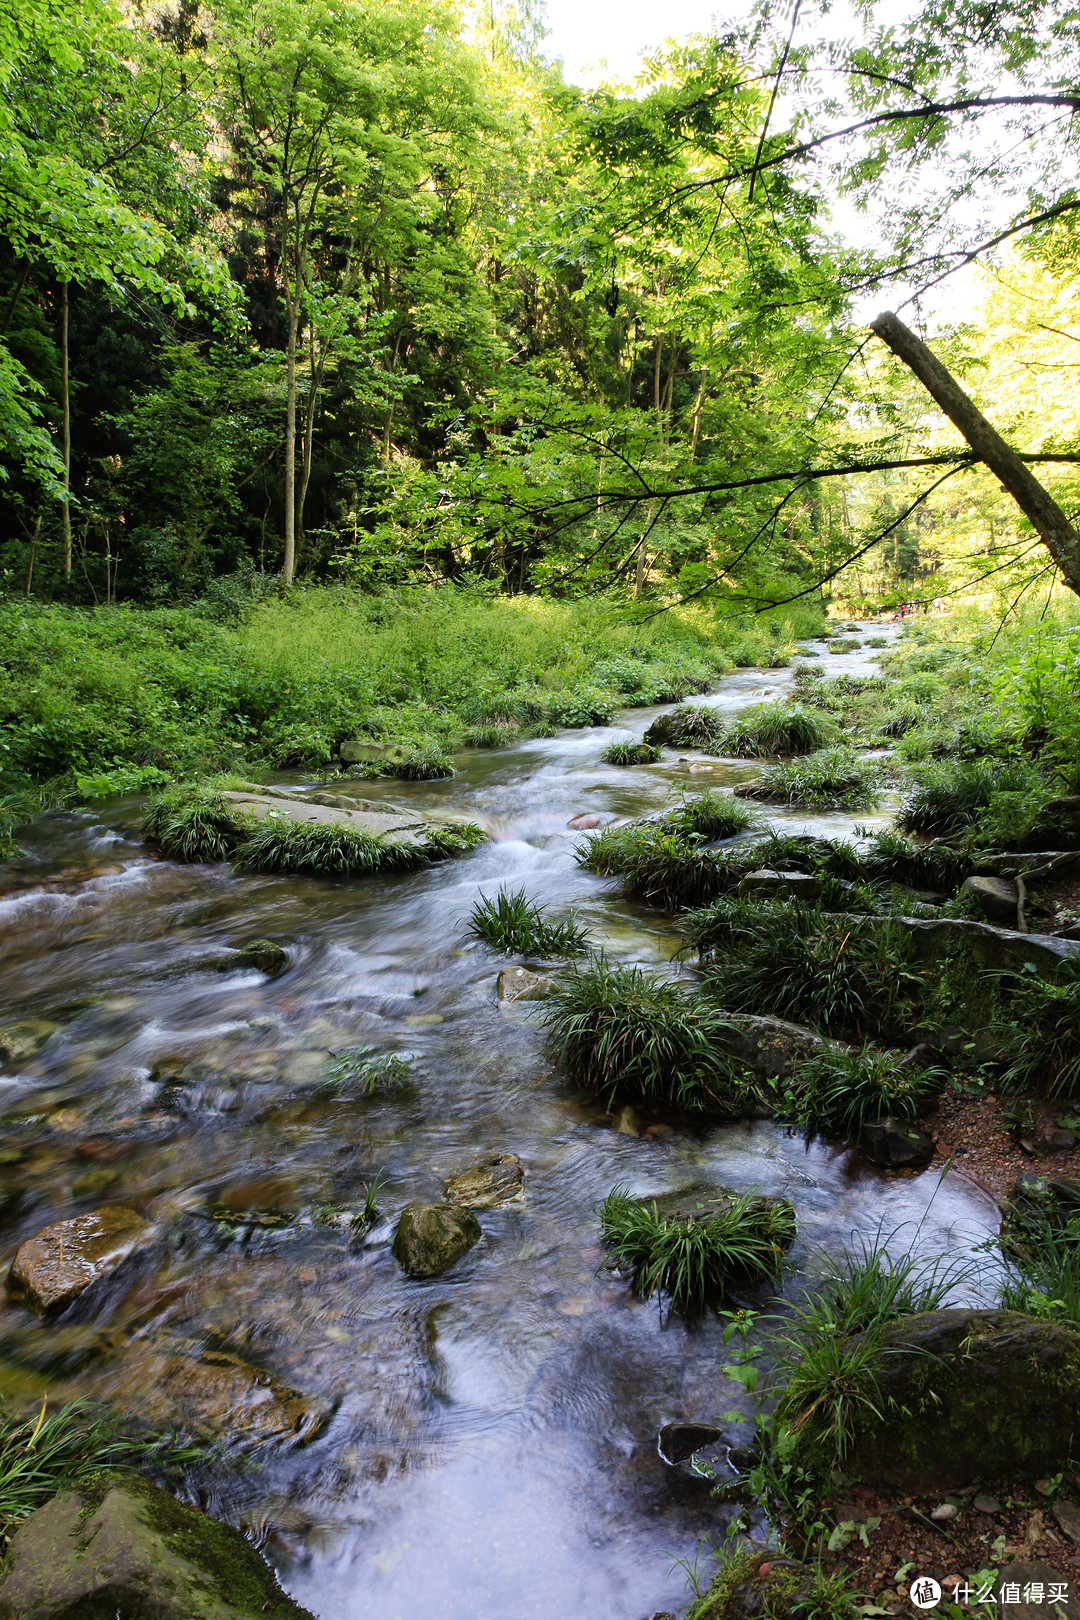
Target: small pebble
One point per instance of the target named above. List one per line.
(986, 1504)
(945, 1510)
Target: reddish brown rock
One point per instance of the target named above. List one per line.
(51, 1270)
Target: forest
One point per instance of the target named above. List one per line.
(539, 813)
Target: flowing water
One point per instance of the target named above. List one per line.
(480, 1444)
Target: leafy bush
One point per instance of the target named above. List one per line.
(775, 728)
(689, 726)
(1042, 1037)
(630, 1036)
(953, 797)
(820, 969)
(193, 823)
(834, 779)
(516, 925)
(631, 753)
(586, 706)
(837, 1092)
(692, 1260)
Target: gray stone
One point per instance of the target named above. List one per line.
(996, 897)
(51, 1270)
(116, 1545)
(986, 1504)
(262, 954)
(677, 1441)
(771, 1046)
(22, 1040)
(1026, 1576)
(498, 1181)
(520, 984)
(1067, 1515)
(987, 946)
(393, 825)
(431, 1237)
(895, 1143)
(766, 882)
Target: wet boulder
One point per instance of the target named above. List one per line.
(756, 1582)
(497, 1182)
(997, 898)
(22, 1040)
(217, 1395)
(116, 1545)
(51, 1270)
(896, 1144)
(261, 954)
(770, 1046)
(767, 884)
(984, 1395)
(521, 984)
(677, 1441)
(430, 1238)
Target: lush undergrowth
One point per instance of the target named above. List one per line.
(119, 699)
(834, 779)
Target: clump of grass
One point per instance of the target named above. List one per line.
(361, 1071)
(953, 797)
(43, 1454)
(15, 809)
(689, 726)
(630, 1036)
(631, 753)
(1044, 1275)
(193, 823)
(657, 867)
(834, 779)
(817, 968)
(1042, 1036)
(514, 924)
(424, 764)
(867, 1283)
(691, 1260)
(492, 734)
(775, 728)
(707, 817)
(837, 1092)
(889, 856)
(279, 844)
(441, 841)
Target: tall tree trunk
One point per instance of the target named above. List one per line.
(697, 412)
(1038, 506)
(65, 400)
(289, 562)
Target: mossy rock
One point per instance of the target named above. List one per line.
(961, 1395)
(757, 1582)
(430, 1238)
(263, 954)
(115, 1547)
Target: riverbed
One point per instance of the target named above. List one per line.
(481, 1444)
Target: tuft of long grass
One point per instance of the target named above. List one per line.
(692, 1260)
(441, 841)
(689, 726)
(631, 1036)
(193, 823)
(517, 925)
(1042, 1037)
(706, 818)
(631, 753)
(951, 797)
(838, 1092)
(424, 764)
(815, 968)
(776, 728)
(834, 779)
(279, 844)
(1044, 1272)
(361, 1071)
(888, 855)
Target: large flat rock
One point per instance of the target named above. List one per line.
(51, 1270)
(173, 1382)
(396, 826)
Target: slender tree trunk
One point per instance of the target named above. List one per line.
(65, 400)
(289, 562)
(697, 412)
(639, 565)
(1038, 506)
(33, 550)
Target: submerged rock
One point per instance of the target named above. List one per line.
(215, 1394)
(51, 1270)
(984, 1395)
(116, 1545)
(895, 1143)
(498, 1181)
(22, 1040)
(996, 897)
(431, 1237)
(262, 954)
(520, 984)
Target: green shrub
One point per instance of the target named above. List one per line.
(1042, 1037)
(629, 1036)
(516, 925)
(193, 823)
(424, 764)
(707, 817)
(954, 797)
(689, 726)
(692, 1260)
(774, 728)
(586, 706)
(631, 753)
(492, 734)
(817, 968)
(834, 779)
(837, 1092)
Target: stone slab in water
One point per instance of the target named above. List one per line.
(520, 984)
(172, 1382)
(115, 1544)
(395, 825)
(895, 1143)
(499, 1181)
(51, 1270)
(677, 1441)
(430, 1238)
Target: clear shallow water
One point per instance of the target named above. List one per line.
(490, 1436)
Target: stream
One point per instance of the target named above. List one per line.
(484, 1443)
